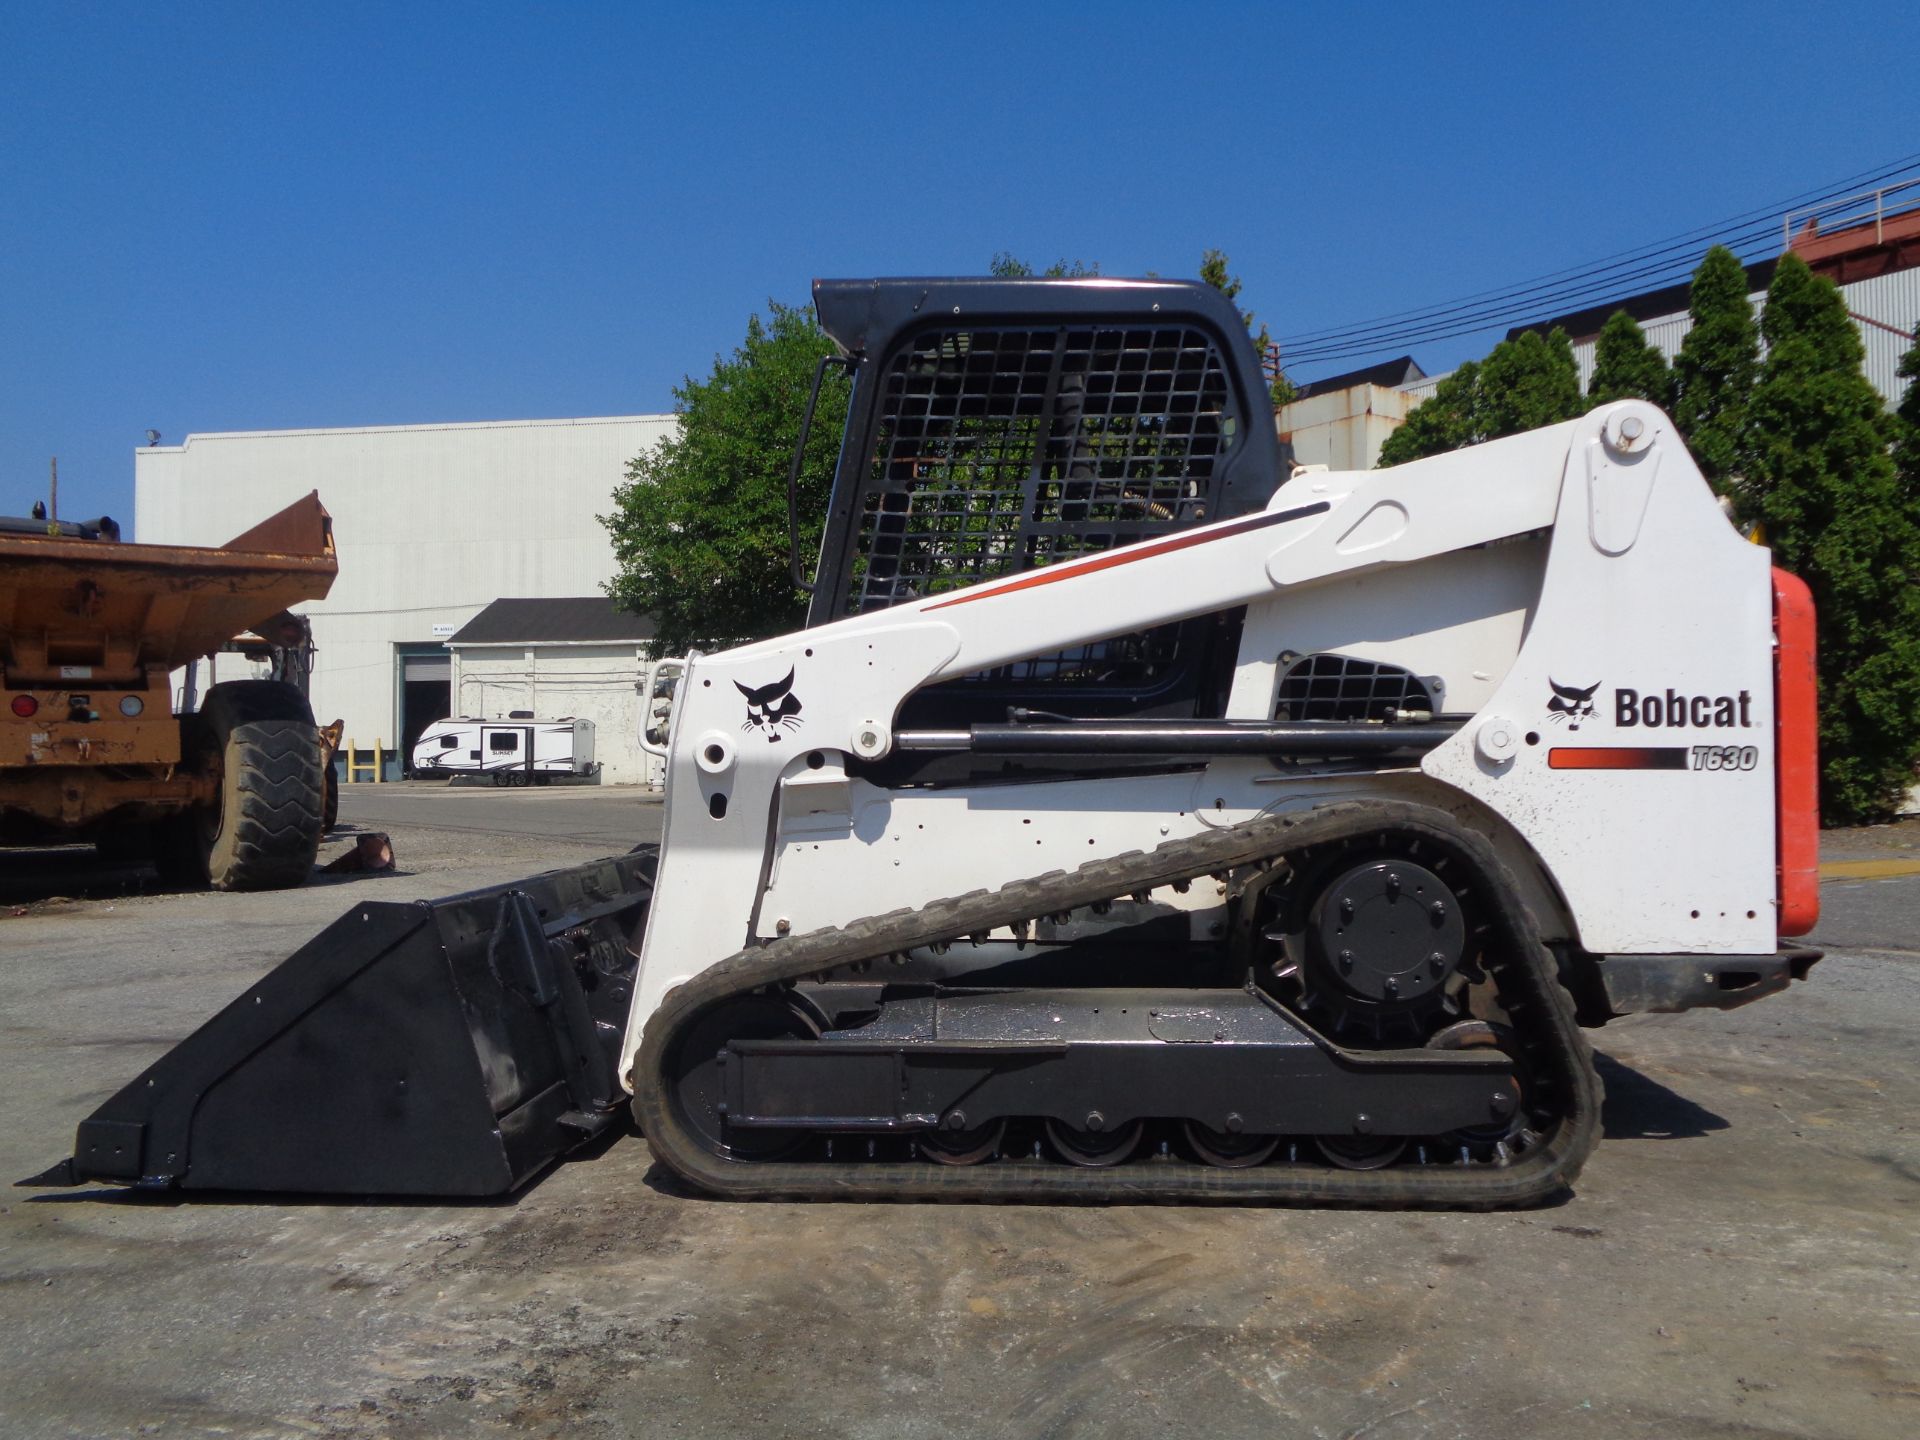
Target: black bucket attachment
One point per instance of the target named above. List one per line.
(447, 1047)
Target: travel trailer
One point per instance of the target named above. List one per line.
(518, 750)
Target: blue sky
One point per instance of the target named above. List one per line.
(260, 216)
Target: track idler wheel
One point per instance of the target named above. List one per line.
(699, 1078)
(1092, 1148)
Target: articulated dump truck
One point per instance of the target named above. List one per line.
(90, 748)
(1136, 818)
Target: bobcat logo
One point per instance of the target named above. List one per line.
(771, 707)
(1569, 704)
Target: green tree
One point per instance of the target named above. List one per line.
(1009, 266)
(1713, 375)
(1445, 420)
(1830, 502)
(1529, 381)
(1526, 382)
(1213, 270)
(1906, 439)
(1626, 367)
(699, 525)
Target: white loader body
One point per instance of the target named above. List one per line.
(1137, 818)
(1590, 557)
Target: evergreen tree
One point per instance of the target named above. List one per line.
(1626, 367)
(1906, 438)
(1825, 490)
(1713, 374)
(1528, 381)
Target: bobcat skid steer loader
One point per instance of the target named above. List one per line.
(1132, 821)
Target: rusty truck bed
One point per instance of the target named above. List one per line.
(115, 610)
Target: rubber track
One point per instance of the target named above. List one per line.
(1525, 976)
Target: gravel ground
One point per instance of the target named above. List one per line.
(1872, 842)
(1737, 1260)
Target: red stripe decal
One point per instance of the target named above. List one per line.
(1126, 555)
(1617, 757)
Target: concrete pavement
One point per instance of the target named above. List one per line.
(1737, 1259)
(620, 816)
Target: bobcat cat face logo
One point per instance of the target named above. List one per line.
(1569, 704)
(771, 708)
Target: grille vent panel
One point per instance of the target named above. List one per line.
(1326, 686)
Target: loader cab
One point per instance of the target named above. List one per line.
(1000, 425)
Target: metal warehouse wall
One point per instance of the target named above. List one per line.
(606, 684)
(432, 523)
(1343, 429)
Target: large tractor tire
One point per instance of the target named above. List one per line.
(265, 828)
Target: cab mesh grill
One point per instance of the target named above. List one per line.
(999, 450)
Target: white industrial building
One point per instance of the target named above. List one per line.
(433, 523)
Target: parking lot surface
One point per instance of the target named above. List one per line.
(1737, 1260)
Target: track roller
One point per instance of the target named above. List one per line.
(1095, 1149)
(1228, 1149)
(1361, 1152)
(963, 1147)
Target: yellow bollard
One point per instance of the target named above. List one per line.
(356, 762)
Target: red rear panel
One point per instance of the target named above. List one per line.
(1796, 721)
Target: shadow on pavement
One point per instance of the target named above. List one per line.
(1639, 1108)
(73, 872)
(91, 1192)
(38, 879)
